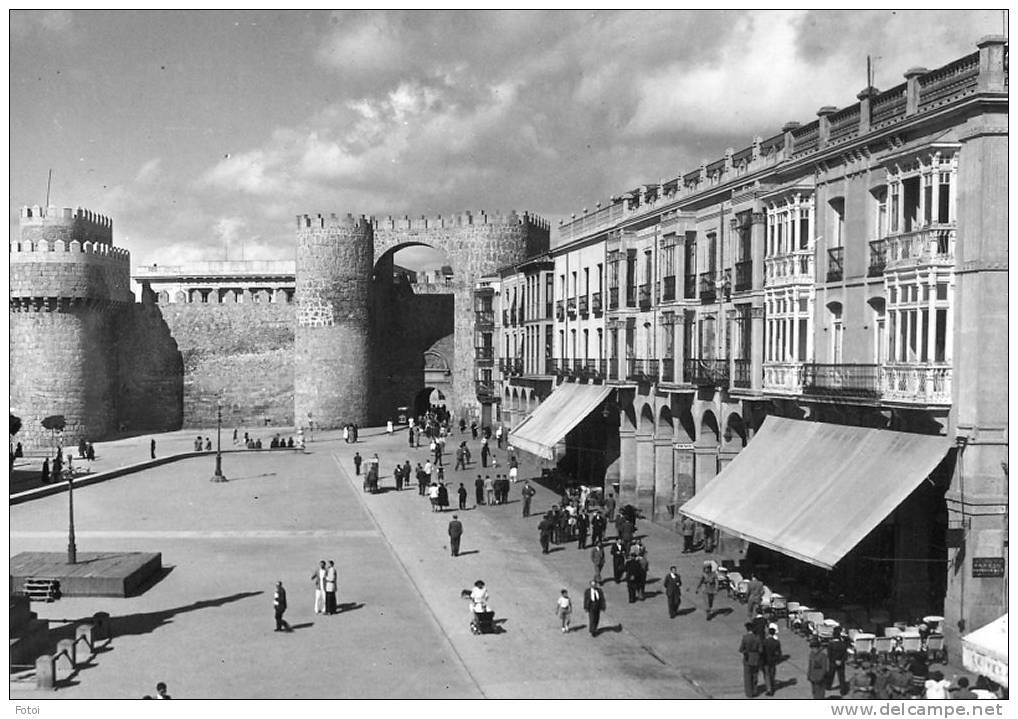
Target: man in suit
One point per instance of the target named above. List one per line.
(582, 525)
(544, 532)
(279, 605)
(771, 657)
(597, 559)
(593, 605)
(751, 648)
(673, 591)
(610, 506)
(455, 533)
(754, 596)
(837, 653)
(618, 560)
(633, 578)
(597, 526)
(528, 493)
(330, 588)
(478, 491)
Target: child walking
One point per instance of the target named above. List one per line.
(564, 609)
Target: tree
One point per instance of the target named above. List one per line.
(15, 424)
(54, 423)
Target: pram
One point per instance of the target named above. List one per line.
(483, 623)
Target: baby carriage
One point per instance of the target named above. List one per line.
(482, 618)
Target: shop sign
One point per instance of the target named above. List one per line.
(983, 567)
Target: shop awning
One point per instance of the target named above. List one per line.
(814, 490)
(984, 651)
(565, 408)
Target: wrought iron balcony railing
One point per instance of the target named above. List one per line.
(484, 318)
(631, 296)
(668, 291)
(571, 307)
(485, 391)
(584, 305)
(560, 310)
(484, 354)
(841, 380)
(516, 366)
(645, 297)
(613, 298)
(708, 291)
(743, 275)
(595, 304)
(743, 378)
(835, 260)
(689, 286)
(707, 372)
(878, 258)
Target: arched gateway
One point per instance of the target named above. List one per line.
(342, 371)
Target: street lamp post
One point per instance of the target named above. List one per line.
(218, 476)
(72, 547)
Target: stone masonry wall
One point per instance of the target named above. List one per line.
(242, 354)
(150, 392)
(63, 361)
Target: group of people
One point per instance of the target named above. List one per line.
(350, 433)
(576, 517)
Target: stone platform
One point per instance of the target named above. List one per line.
(96, 574)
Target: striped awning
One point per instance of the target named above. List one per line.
(553, 419)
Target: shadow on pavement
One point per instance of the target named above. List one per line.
(348, 607)
(152, 581)
(147, 622)
(685, 611)
(303, 625)
(472, 551)
(617, 628)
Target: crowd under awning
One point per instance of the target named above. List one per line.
(984, 651)
(554, 418)
(813, 490)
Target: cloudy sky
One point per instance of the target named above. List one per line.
(201, 130)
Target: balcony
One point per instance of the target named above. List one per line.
(505, 318)
(596, 369)
(645, 296)
(571, 308)
(631, 296)
(783, 377)
(707, 372)
(485, 391)
(584, 306)
(613, 298)
(835, 264)
(929, 246)
(595, 304)
(484, 319)
(743, 378)
(515, 366)
(743, 275)
(642, 370)
(613, 368)
(841, 380)
(503, 367)
(484, 355)
(878, 258)
(793, 268)
(668, 370)
(668, 293)
(924, 384)
(708, 291)
(560, 310)
(689, 287)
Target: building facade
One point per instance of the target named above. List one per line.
(850, 270)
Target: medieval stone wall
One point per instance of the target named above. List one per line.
(239, 354)
(150, 391)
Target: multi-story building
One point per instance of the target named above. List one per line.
(840, 288)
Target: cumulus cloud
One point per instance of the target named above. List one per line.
(32, 23)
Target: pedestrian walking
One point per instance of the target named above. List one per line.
(609, 507)
(318, 579)
(837, 655)
(632, 578)
(473, 430)
(460, 459)
(152, 448)
(688, 531)
(818, 666)
(754, 596)
(330, 588)
(751, 648)
(443, 496)
(618, 552)
(544, 532)
(673, 591)
(346, 433)
(709, 538)
(45, 470)
(462, 492)
(433, 496)
(709, 582)
(771, 656)
(485, 453)
(593, 605)
(455, 534)
(478, 491)
(528, 493)
(563, 607)
(388, 427)
(357, 460)
(582, 527)
(279, 607)
(489, 489)
(498, 436)
(597, 559)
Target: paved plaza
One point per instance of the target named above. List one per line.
(206, 627)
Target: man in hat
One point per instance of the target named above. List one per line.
(455, 533)
(593, 605)
(817, 667)
(279, 606)
(751, 649)
(673, 591)
(771, 657)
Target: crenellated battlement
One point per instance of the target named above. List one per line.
(464, 219)
(61, 251)
(424, 222)
(65, 223)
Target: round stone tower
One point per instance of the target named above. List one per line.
(68, 284)
(332, 363)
